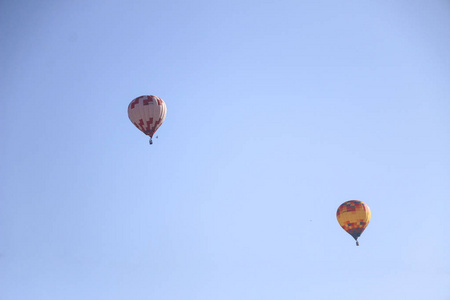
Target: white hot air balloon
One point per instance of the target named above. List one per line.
(147, 113)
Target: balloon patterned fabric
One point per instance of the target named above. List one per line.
(147, 113)
(353, 216)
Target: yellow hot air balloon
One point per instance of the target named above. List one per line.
(353, 216)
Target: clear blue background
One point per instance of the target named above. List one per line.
(278, 111)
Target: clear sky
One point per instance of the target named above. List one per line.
(277, 112)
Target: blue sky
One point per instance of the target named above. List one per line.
(277, 112)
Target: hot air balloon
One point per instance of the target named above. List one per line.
(353, 216)
(147, 113)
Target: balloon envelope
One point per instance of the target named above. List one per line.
(353, 216)
(147, 113)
